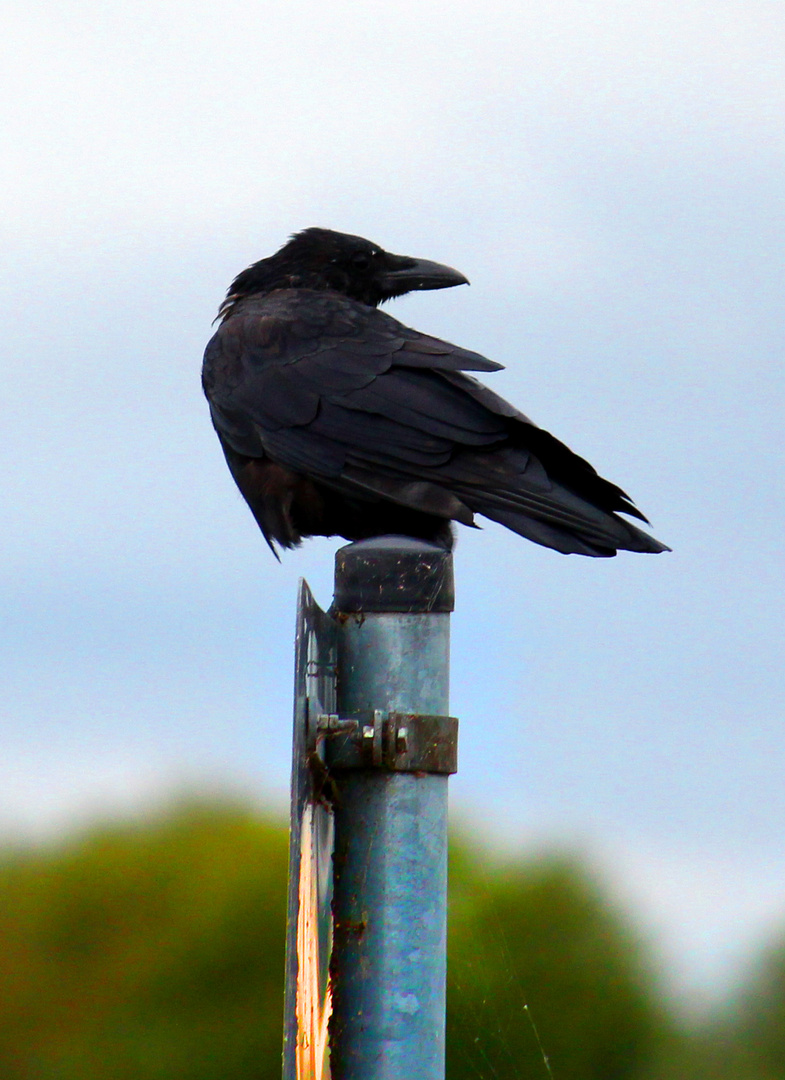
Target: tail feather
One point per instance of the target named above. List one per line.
(558, 518)
(574, 540)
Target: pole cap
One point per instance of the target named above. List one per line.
(393, 574)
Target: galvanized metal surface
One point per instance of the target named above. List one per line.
(388, 968)
(390, 866)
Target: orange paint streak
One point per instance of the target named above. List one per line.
(312, 1016)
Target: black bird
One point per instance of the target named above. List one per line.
(336, 419)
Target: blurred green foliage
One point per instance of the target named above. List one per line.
(146, 952)
(155, 950)
(760, 1047)
(541, 967)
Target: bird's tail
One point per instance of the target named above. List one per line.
(620, 535)
(556, 517)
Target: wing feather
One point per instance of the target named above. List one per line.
(336, 390)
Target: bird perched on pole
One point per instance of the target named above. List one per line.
(336, 419)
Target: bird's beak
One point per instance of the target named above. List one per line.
(404, 274)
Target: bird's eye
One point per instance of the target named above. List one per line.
(361, 260)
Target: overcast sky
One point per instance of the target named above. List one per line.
(609, 176)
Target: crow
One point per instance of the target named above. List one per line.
(336, 419)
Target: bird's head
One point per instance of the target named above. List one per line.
(357, 268)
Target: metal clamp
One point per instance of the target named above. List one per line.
(331, 724)
(391, 741)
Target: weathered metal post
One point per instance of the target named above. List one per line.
(393, 596)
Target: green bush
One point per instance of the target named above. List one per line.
(147, 952)
(156, 951)
(760, 1028)
(544, 978)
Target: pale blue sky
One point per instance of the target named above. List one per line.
(609, 176)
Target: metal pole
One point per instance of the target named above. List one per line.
(393, 596)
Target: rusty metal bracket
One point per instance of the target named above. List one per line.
(391, 741)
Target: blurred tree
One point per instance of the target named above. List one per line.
(544, 978)
(760, 1027)
(156, 951)
(147, 953)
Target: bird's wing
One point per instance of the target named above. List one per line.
(342, 392)
(308, 365)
